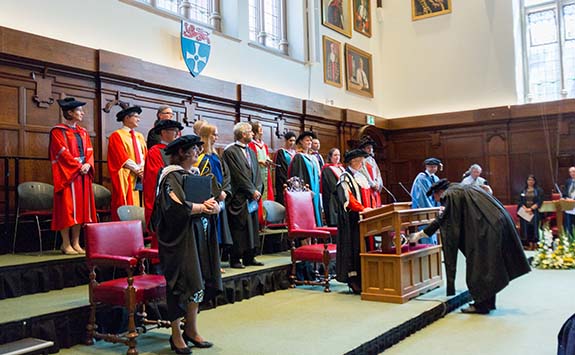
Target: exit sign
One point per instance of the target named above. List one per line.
(370, 119)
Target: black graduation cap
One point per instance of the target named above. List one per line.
(125, 112)
(305, 134)
(442, 184)
(354, 153)
(184, 142)
(167, 124)
(69, 103)
(365, 141)
(432, 161)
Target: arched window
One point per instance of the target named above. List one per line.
(267, 23)
(549, 49)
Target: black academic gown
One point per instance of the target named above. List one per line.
(348, 262)
(281, 174)
(476, 223)
(245, 179)
(153, 137)
(188, 248)
(329, 181)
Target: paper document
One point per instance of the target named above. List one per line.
(524, 214)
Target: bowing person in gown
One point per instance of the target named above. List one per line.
(72, 160)
(188, 244)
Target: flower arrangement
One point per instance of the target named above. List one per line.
(556, 253)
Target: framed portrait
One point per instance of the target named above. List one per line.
(358, 71)
(362, 17)
(421, 9)
(332, 60)
(336, 14)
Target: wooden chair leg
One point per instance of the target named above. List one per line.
(91, 327)
(326, 269)
(39, 233)
(292, 276)
(15, 233)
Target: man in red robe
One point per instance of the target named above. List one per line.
(126, 158)
(72, 160)
(168, 131)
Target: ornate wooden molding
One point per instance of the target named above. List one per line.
(280, 128)
(117, 101)
(43, 94)
(435, 139)
(190, 112)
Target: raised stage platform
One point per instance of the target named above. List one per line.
(304, 320)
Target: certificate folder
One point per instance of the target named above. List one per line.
(198, 188)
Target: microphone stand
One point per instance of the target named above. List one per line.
(389, 192)
(406, 190)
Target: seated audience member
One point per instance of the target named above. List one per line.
(478, 225)
(530, 199)
(472, 177)
(353, 196)
(163, 113)
(72, 159)
(305, 166)
(126, 158)
(188, 245)
(282, 161)
(330, 175)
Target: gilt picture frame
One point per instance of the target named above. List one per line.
(421, 9)
(358, 71)
(362, 17)
(336, 15)
(332, 62)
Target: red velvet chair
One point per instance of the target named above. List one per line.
(120, 245)
(301, 225)
(512, 210)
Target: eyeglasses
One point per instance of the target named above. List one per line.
(167, 113)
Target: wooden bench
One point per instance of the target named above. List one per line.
(26, 346)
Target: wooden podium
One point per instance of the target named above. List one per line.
(395, 274)
(558, 206)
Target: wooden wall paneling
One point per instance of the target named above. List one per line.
(9, 103)
(498, 164)
(255, 97)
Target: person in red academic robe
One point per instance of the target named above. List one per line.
(265, 163)
(72, 160)
(167, 131)
(370, 169)
(126, 158)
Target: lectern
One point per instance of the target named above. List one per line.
(558, 206)
(396, 273)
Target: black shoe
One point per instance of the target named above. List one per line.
(237, 265)
(474, 309)
(183, 351)
(254, 262)
(198, 344)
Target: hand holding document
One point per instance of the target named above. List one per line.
(525, 214)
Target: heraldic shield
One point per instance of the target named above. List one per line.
(196, 47)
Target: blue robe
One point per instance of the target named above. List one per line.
(306, 169)
(421, 185)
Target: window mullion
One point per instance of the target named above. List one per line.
(215, 15)
(283, 43)
(561, 38)
(261, 36)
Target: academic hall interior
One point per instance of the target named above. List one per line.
(460, 86)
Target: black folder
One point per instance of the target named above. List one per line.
(198, 188)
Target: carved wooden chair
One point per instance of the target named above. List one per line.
(301, 224)
(120, 245)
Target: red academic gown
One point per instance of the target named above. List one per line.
(260, 148)
(120, 149)
(73, 194)
(154, 163)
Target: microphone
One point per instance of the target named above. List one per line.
(558, 189)
(406, 190)
(389, 192)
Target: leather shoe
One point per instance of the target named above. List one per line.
(198, 344)
(237, 265)
(182, 351)
(473, 309)
(254, 263)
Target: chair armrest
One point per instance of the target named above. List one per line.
(332, 230)
(125, 262)
(308, 233)
(148, 253)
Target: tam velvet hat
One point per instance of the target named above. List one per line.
(432, 161)
(125, 112)
(167, 124)
(365, 141)
(184, 142)
(69, 103)
(442, 184)
(305, 134)
(354, 153)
